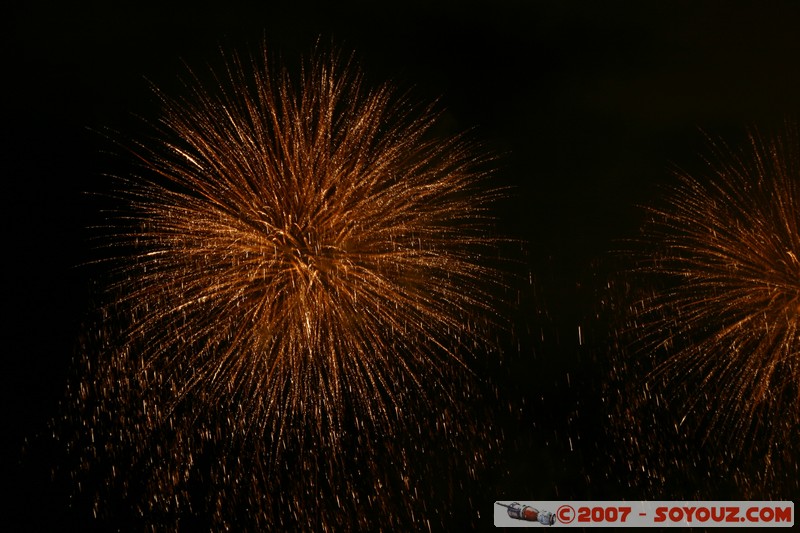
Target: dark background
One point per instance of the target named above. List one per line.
(589, 104)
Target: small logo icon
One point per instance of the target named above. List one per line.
(526, 512)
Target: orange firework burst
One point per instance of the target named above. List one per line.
(305, 247)
(301, 266)
(724, 326)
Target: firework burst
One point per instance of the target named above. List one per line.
(300, 265)
(720, 322)
(303, 248)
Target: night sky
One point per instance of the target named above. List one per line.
(589, 106)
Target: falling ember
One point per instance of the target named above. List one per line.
(306, 268)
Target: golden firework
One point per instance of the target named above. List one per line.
(299, 247)
(300, 266)
(719, 322)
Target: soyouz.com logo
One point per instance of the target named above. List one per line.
(644, 514)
